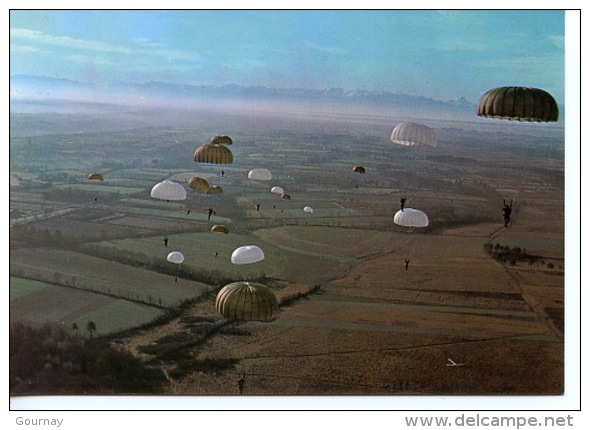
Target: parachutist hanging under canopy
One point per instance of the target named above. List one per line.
(210, 213)
(507, 211)
(407, 263)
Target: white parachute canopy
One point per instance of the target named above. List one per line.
(410, 218)
(168, 190)
(277, 190)
(247, 254)
(175, 257)
(308, 209)
(260, 174)
(412, 134)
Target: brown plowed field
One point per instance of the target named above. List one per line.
(379, 329)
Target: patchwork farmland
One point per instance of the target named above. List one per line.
(352, 318)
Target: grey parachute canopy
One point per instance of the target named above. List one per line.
(175, 257)
(277, 190)
(248, 301)
(260, 174)
(518, 103)
(413, 134)
(214, 154)
(168, 190)
(247, 254)
(411, 218)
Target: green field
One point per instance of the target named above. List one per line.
(68, 306)
(119, 315)
(21, 287)
(99, 275)
(199, 250)
(102, 188)
(307, 254)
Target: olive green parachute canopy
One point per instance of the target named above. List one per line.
(95, 176)
(219, 229)
(221, 139)
(198, 184)
(412, 134)
(214, 189)
(214, 153)
(518, 103)
(286, 196)
(358, 169)
(247, 301)
(168, 190)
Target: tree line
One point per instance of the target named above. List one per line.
(51, 359)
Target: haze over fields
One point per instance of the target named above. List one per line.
(80, 238)
(365, 306)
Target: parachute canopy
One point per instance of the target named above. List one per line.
(518, 103)
(277, 190)
(95, 176)
(358, 169)
(213, 153)
(260, 174)
(247, 301)
(175, 257)
(286, 196)
(168, 190)
(219, 229)
(410, 218)
(215, 189)
(412, 134)
(198, 184)
(221, 139)
(308, 209)
(247, 254)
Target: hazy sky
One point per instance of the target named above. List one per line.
(439, 54)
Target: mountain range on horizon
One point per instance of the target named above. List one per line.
(42, 88)
(30, 93)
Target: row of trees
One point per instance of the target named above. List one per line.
(505, 253)
(90, 327)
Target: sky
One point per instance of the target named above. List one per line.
(441, 54)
